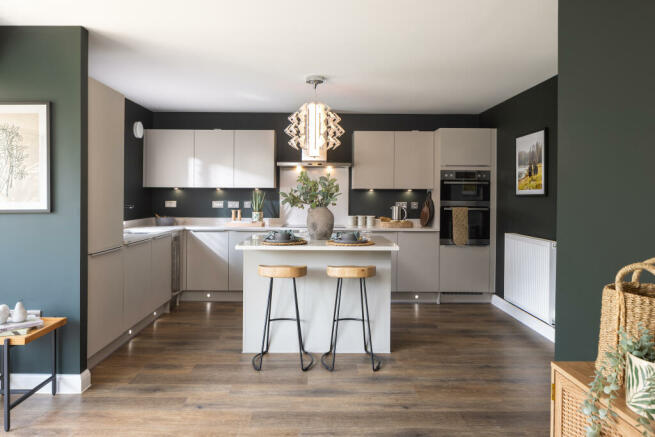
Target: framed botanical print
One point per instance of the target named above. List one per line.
(24, 157)
(531, 164)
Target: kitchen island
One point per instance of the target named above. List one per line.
(316, 293)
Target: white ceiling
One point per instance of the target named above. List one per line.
(380, 56)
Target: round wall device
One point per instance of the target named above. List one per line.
(137, 129)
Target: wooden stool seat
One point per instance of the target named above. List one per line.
(282, 271)
(351, 271)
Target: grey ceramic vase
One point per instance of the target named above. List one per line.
(320, 223)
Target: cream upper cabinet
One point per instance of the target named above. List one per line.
(168, 158)
(106, 118)
(468, 147)
(214, 159)
(373, 159)
(254, 159)
(414, 160)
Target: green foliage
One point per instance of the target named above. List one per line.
(312, 192)
(606, 381)
(258, 200)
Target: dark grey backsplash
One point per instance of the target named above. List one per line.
(196, 202)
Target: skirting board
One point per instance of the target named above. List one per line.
(527, 319)
(66, 383)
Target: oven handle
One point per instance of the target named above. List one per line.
(447, 208)
(466, 182)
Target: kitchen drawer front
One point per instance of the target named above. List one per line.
(464, 269)
(105, 300)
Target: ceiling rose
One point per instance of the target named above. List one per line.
(314, 129)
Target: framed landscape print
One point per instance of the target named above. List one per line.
(24, 157)
(531, 164)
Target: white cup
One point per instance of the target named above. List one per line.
(370, 221)
(361, 221)
(352, 220)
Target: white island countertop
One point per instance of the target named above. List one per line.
(381, 245)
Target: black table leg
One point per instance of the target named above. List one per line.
(54, 362)
(5, 382)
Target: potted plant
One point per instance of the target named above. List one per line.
(258, 205)
(636, 357)
(318, 194)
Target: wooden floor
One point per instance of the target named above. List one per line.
(455, 370)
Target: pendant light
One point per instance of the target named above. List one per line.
(314, 128)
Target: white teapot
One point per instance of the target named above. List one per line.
(4, 313)
(20, 313)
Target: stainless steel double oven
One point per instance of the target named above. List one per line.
(469, 188)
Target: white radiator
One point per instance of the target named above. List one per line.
(530, 275)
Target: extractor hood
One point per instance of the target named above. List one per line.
(313, 164)
(319, 161)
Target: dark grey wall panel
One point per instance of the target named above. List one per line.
(606, 125)
(530, 111)
(197, 202)
(138, 200)
(43, 256)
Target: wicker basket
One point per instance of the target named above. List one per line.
(626, 304)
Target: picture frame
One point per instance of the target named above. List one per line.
(531, 169)
(25, 157)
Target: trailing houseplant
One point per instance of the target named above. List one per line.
(317, 194)
(636, 357)
(258, 197)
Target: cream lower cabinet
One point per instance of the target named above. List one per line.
(392, 236)
(418, 261)
(105, 299)
(464, 269)
(207, 261)
(161, 269)
(236, 259)
(137, 285)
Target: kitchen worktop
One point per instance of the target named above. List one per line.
(219, 227)
(381, 245)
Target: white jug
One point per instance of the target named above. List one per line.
(20, 313)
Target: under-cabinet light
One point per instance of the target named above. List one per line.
(176, 189)
(299, 168)
(370, 190)
(409, 191)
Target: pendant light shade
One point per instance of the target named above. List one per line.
(314, 128)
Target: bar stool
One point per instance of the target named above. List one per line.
(351, 272)
(280, 271)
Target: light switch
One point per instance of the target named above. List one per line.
(218, 204)
(247, 204)
(403, 204)
(170, 203)
(414, 205)
(232, 203)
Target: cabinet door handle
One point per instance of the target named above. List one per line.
(105, 252)
(137, 243)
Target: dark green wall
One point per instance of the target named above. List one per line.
(138, 199)
(606, 122)
(532, 110)
(43, 256)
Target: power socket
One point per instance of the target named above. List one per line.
(247, 204)
(232, 203)
(403, 204)
(414, 205)
(170, 203)
(218, 204)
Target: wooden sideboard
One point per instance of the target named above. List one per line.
(570, 382)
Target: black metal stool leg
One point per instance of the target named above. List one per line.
(335, 328)
(301, 347)
(5, 383)
(266, 334)
(375, 362)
